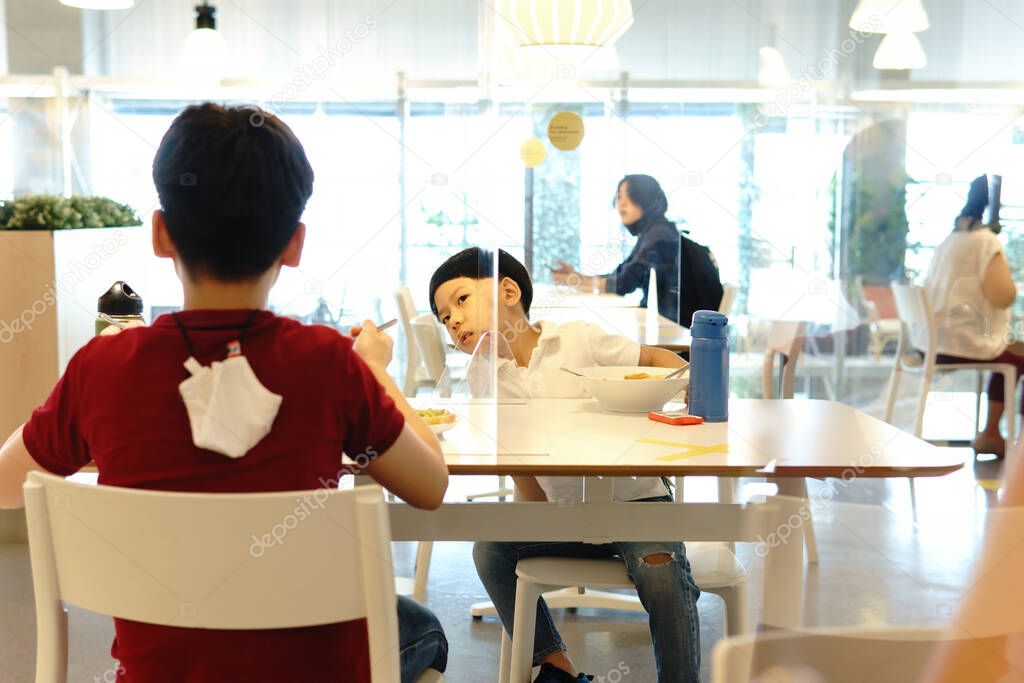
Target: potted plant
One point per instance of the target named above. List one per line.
(57, 255)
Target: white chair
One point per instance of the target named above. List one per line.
(715, 570)
(785, 340)
(729, 293)
(916, 313)
(824, 655)
(189, 560)
(416, 375)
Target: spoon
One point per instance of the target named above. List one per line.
(678, 373)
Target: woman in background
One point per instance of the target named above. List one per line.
(970, 291)
(642, 205)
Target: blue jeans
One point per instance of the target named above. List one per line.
(667, 592)
(421, 639)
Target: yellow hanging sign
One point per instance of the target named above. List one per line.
(565, 130)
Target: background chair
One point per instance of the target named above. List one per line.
(729, 293)
(416, 374)
(91, 546)
(715, 570)
(785, 341)
(893, 655)
(915, 312)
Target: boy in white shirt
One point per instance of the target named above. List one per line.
(462, 296)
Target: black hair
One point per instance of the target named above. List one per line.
(645, 192)
(977, 200)
(233, 183)
(477, 263)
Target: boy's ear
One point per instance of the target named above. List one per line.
(163, 246)
(509, 292)
(292, 254)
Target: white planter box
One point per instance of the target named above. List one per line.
(49, 286)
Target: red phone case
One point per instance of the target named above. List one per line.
(675, 418)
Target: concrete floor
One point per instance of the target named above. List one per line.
(877, 566)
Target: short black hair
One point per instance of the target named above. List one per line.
(477, 263)
(233, 183)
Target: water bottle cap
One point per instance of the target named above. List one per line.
(120, 299)
(709, 324)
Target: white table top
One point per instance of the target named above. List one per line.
(642, 325)
(791, 438)
(561, 296)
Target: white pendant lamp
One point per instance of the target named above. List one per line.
(889, 16)
(99, 4)
(570, 29)
(772, 71)
(204, 48)
(900, 51)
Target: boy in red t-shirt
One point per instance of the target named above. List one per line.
(233, 183)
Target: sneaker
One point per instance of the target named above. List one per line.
(552, 674)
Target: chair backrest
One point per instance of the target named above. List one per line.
(823, 655)
(216, 561)
(785, 339)
(915, 314)
(427, 332)
(729, 293)
(406, 312)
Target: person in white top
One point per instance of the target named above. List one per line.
(462, 296)
(970, 291)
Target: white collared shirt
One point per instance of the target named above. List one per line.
(569, 345)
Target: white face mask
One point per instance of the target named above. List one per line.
(229, 410)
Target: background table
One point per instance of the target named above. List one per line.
(642, 325)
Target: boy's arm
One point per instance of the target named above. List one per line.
(653, 356)
(413, 468)
(15, 464)
(527, 489)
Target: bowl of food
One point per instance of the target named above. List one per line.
(439, 419)
(631, 389)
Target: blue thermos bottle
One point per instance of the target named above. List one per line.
(709, 366)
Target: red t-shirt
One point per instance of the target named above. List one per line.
(118, 405)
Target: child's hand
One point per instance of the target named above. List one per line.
(372, 345)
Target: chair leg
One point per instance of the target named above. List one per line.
(922, 402)
(913, 498)
(894, 387)
(1009, 400)
(505, 663)
(977, 403)
(52, 646)
(424, 549)
(727, 494)
(737, 620)
(524, 623)
(810, 540)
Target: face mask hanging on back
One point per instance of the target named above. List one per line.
(229, 409)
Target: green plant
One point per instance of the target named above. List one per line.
(52, 212)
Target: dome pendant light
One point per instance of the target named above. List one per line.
(204, 48)
(900, 51)
(99, 4)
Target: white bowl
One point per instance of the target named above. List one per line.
(608, 385)
(443, 427)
